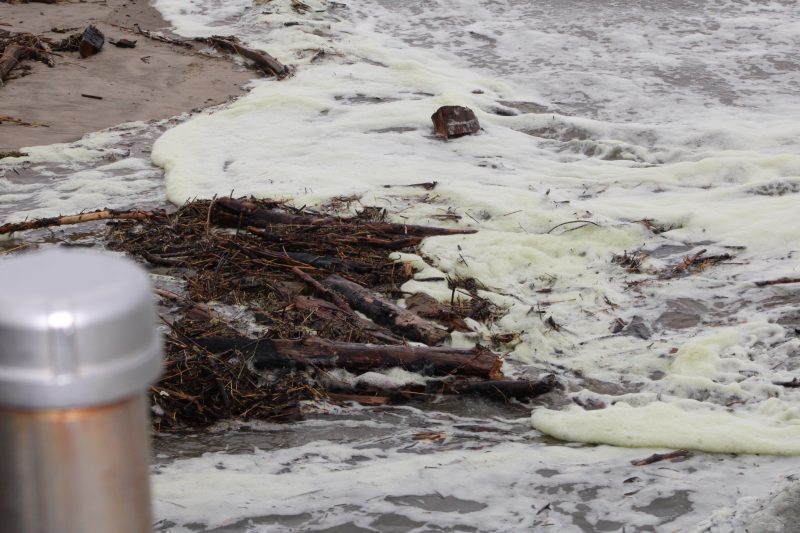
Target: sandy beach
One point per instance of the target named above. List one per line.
(151, 81)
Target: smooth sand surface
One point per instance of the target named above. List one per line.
(152, 81)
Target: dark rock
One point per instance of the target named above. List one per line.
(91, 41)
(454, 121)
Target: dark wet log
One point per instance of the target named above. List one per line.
(428, 185)
(12, 56)
(314, 352)
(411, 229)
(265, 62)
(330, 312)
(399, 320)
(91, 42)
(454, 121)
(238, 213)
(13, 153)
(104, 214)
(320, 290)
(779, 281)
(332, 264)
(363, 399)
(505, 390)
(656, 457)
(426, 306)
(793, 384)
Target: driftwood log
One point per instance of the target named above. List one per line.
(103, 214)
(401, 321)
(12, 56)
(331, 312)
(236, 213)
(507, 389)
(321, 353)
(500, 390)
(265, 62)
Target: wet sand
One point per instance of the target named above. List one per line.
(152, 81)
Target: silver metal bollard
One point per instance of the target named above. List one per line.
(78, 349)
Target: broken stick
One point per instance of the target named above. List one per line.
(656, 457)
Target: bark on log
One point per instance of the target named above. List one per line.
(105, 214)
(399, 320)
(330, 311)
(508, 389)
(320, 290)
(315, 352)
(236, 213)
(12, 56)
(263, 60)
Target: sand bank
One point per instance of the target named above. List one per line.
(152, 81)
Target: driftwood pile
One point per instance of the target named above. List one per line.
(305, 281)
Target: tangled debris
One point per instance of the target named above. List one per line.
(265, 307)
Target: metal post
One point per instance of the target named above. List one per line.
(78, 349)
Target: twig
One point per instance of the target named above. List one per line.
(573, 222)
(656, 457)
(779, 281)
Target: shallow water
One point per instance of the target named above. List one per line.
(661, 128)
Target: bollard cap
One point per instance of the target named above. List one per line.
(77, 329)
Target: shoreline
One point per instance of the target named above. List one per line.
(152, 81)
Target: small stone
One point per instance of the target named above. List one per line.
(454, 121)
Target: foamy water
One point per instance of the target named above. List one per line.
(599, 123)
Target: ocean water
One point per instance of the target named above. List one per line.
(652, 129)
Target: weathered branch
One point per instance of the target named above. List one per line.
(656, 457)
(330, 311)
(12, 56)
(265, 62)
(779, 281)
(104, 214)
(399, 320)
